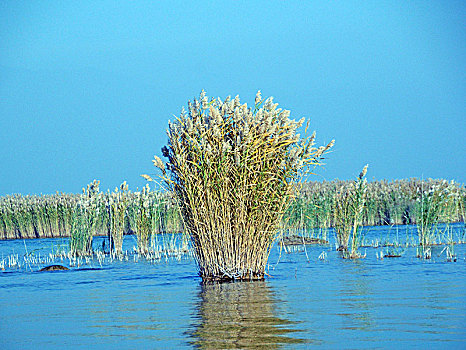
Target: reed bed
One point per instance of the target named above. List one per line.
(92, 213)
(233, 170)
(312, 211)
(398, 202)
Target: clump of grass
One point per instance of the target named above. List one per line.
(79, 239)
(348, 211)
(435, 204)
(233, 170)
(85, 220)
(143, 221)
(150, 218)
(117, 204)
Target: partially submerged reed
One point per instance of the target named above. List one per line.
(83, 216)
(349, 207)
(117, 205)
(233, 170)
(395, 202)
(144, 226)
(435, 204)
(149, 216)
(85, 220)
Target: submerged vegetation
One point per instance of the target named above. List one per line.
(433, 209)
(233, 170)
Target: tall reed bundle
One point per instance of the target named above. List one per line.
(151, 212)
(233, 170)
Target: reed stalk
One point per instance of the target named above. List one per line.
(80, 242)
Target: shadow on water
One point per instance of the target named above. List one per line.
(240, 315)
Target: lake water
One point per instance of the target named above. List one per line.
(306, 302)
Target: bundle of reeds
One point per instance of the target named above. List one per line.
(435, 204)
(143, 225)
(349, 206)
(85, 220)
(233, 170)
(117, 204)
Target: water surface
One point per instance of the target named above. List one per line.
(306, 302)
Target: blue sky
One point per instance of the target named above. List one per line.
(87, 87)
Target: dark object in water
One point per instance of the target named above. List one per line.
(54, 268)
(297, 240)
(231, 279)
(392, 256)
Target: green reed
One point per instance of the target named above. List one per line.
(83, 216)
(148, 217)
(435, 204)
(387, 203)
(117, 204)
(348, 211)
(85, 219)
(143, 220)
(80, 238)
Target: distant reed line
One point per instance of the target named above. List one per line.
(55, 215)
(396, 202)
(388, 203)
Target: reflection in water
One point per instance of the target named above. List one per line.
(239, 315)
(357, 297)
